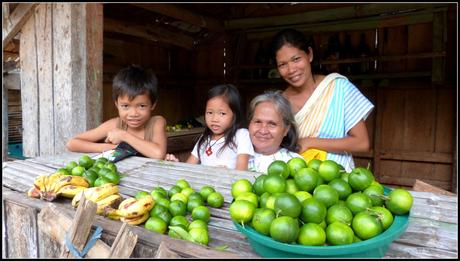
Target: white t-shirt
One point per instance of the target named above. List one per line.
(260, 162)
(226, 157)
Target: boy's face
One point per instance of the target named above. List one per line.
(136, 112)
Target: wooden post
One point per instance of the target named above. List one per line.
(61, 87)
(4, 122)
(124, 243)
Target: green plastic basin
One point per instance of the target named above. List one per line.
(375, 247)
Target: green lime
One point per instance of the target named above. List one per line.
(71, 165)
(313, 211)
(101, 181)
(86, 161)
(258, 185)
(295, 164)
(205, 191)
(179, 220)
(284, 229)
(274, 184)
(113, 177)
(240, 186)
(78, 171)
(63, 171)
(192, 204)
(198, 224)
(314, 164)
(199, 235)
(215, 200)
(262, 220)
(195, 195)
(174, 190)
(179, 196)
(242, 211)
(156, 224)
(326, 194)
(249, 196)
(182, 183)
(312, 234)
(278, 167)
(177, 208)
(141, 194)
(201, 213)
(338, 233)
(110, 165)
(287, 205)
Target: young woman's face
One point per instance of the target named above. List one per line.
(266, 129)
(294, 64)
(136, 112)
(218, 116)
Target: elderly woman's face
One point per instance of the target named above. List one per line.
(266, 129)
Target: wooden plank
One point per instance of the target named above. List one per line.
(29, 90)
(432, 157)
(16, 21)
(439, 44)
(94, 46)
(341, 13)
(80, 228)
(43, 27)
(54, 222)
(4, 122)
(12, 81)
(124, 243)
(185, 15)
(423, 186)
(21, 225)
(149, 33)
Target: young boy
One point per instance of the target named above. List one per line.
(135, 96)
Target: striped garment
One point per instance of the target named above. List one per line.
(334, 108)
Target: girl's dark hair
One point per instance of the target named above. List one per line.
(283, 107)
(232, 96)
(292, 37)
(133, 81)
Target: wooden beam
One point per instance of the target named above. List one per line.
(184, 15)
(356, 11)
(150, 33)
(16, 20)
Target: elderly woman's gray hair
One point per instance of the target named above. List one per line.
(283, 107)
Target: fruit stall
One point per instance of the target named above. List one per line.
(430, 228)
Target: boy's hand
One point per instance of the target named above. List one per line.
(115, 136)
(171, 157)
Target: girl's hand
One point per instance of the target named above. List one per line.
(115, 136)
(171, 157)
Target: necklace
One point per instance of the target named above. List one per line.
(209, 150)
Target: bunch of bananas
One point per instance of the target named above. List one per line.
(49, 187)
(104, 196)
(131, 210)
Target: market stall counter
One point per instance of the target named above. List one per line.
(431, 233)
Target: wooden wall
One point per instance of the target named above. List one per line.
(61, 75)
(171, 65)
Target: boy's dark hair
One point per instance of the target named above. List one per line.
(230, 94)
(133, 81)
(294, 38)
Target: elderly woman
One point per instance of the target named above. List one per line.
(272, 130)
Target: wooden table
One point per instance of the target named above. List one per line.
(432, 230)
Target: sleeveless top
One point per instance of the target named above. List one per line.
(148, 132)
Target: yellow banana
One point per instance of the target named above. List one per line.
(69, 180)
(39, 182)
(76, 199)
(136, 220)
(69, 191)
(134, 208)
(98, 193)
(51, 180)
(110, 201)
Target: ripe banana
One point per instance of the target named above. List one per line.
(68, 180)
(69, 191)
(136, 220)
(110, 201)
(51, 181)
(97, 194)
(39, 182)
(134, 208)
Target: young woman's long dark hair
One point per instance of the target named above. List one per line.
(232, 96)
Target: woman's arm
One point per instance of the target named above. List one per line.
(356, 141)
(155, 149)
(242, 162)
(88, 141)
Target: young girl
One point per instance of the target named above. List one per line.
(224, 142)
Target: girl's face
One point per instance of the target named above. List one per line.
(294, 64)
(218, 116)
(136, 112)
(266, 129)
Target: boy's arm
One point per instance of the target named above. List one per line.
(155, 149)
(88, 141)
